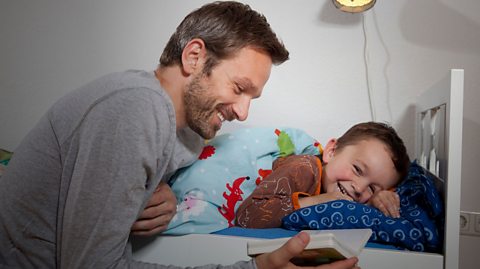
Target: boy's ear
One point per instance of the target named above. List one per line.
(193, 56)
(329, 150)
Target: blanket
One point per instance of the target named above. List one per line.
(227, 171)
(5, 157)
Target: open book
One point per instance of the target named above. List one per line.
(325, 245)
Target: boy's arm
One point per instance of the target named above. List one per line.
(322, 198)
(272, 199)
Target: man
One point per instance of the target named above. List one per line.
(81, 178)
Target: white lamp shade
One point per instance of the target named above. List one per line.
(354, 6)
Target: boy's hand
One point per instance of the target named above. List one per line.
(280, 258)
(160, 209)
(386, 201)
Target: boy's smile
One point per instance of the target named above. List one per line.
(358, 170)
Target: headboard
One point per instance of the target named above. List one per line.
(438, 147)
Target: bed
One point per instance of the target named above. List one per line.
(438, 145)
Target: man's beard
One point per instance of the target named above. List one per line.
(199, 108)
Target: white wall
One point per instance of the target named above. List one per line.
(49, 47)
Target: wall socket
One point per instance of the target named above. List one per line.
(470, 223)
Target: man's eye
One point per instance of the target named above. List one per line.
(238, 89)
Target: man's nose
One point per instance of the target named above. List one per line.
(241, 108)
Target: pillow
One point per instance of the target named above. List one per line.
(419, 228)
(227, 171)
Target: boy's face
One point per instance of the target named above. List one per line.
(358, 170)
(227, 92)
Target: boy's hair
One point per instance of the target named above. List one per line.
(225, 27)
(386, 134)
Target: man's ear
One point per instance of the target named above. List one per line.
(329, 150)
(193, 55)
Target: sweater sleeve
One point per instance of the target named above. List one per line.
(113, 161)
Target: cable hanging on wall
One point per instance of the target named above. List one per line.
(357, 6)
(367, 74)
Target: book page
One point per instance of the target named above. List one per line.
(325, 246)
(352, 239)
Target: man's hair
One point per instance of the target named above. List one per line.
(386, 134)
(225, 27)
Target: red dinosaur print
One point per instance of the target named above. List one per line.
(228, 211)
(207, 152)
(262, 174)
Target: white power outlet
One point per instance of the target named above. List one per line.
(469, 223)
(476, 224)
(464, 222)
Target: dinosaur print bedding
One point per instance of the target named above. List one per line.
(227, 171)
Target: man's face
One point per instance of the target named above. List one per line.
(359, 170)
(227, 92)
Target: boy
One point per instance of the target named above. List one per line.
(362, 166)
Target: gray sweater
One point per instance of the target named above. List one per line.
(81, 177)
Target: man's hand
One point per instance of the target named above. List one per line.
(386, 201)
(280, 258)
(160, 209)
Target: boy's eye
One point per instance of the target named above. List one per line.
(357, 169)
(372, 188)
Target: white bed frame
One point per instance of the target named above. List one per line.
(445, 102)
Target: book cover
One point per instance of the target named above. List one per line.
(325, 245)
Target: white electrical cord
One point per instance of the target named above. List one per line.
(367, 76)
